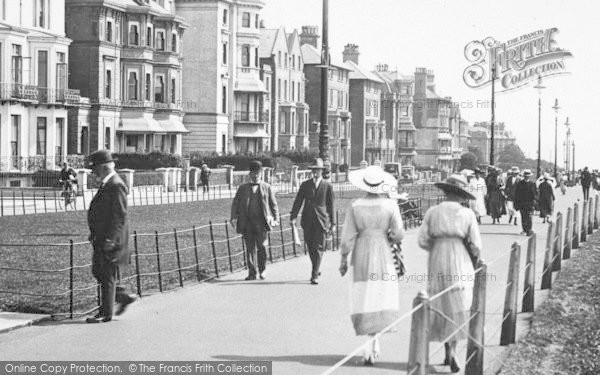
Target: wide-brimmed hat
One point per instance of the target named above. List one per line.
(457, 184)
(515, 170)
(477, 170)
(100, 157)
(317, 164)
(527, 172)
(255, 166)
(374, 180)
(467, 172)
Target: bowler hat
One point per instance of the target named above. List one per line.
(100, 157)
(317, 164)
(255, 166)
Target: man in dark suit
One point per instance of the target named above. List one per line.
(255, 210)
(511, 184)
(525, 197)
(109, 235)
(317, 215)
(586, 181)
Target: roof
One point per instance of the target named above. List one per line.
(432, 95)
(311, 55)
(267, 42)
(359, 73)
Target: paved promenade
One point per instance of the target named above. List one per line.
(302, 328)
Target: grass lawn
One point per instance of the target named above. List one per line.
(32, 267)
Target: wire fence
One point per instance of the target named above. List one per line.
(160, 262)
(484, 327)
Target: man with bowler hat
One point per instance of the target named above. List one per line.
(254, 210)
(317, 215)
(109, 235)
(525, 197)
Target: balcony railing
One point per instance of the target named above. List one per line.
(250, 116)
(19, 91)
(30, 163)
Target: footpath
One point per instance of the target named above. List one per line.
(302, 328)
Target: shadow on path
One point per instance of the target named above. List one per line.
(316, 360)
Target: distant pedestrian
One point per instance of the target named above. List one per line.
(205, 173)
(371, 225)
(509, 190)
(496, 197)
(586, 181)
(546, 198)
(478, 189)
(316, 195)
(525, 200)
(451, 236)
(109, 235)
(563, 184)
(254, 210)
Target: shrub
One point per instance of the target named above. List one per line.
(147, 161)
(240, 162)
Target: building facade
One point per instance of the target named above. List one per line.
(431, 116)
(369, 132)
(481, 138)
(338, 112)
(397, 113)
(35, 94)
(281, 53)
(126, 57)
(221, 77)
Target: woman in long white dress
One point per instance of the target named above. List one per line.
(443, 233)
(478, 189)
(370, 224)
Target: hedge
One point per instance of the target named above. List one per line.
(147, 161)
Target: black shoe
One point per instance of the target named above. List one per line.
(510, 219)
(453, 365)
(250, 278)
(126, 301)
(447, 356)
(99, 319)
(314, 281)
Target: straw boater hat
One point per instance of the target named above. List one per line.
(317, 164)
(527, 172)
(515, 170)
(457, 184)
(467, 172)
(374, 180)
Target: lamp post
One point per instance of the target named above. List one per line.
(539, 87)
(556, 108)
(568, 150)
(324, 133)
(493, 115)
(574, 160)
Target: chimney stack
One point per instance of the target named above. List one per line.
(351, 53)
(382, 67)
(310, 35)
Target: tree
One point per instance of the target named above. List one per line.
(468, 160)
(478, 154)
(511, 155)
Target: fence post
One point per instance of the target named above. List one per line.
(528, 302)
(558, 239)
(509, 317)
(178, 258)
(590, 218)
(228, 245)
(596, 212)
(83, 197)
(137, 263)
(584, 214)
(476, 343)
(15, 203)
(418, 355)
(214, 249)
(1, 203)
(547, 270)
(146, 191)
(133, 197)
(282, 238)
(158, 261)
(568, 234)
(71, 278)
(196, 253)
(23, 201)
(34, 204)
(575, 226)
(161, 195)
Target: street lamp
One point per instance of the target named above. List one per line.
(539, 87)
(324, 133)
(568, 150)
(493, 115)
(574, 161)
(556, 108)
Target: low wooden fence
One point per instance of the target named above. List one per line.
(563, 236)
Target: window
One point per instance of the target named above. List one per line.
(224, 99)
(148, 143)
(148, 86)
(246, 19)
(85, 140)
(279, 88)
(298, 92)
(108, 84)
(224, 53)
(108, 36)
(41, 12)
(174, 42)
(286, 60)
(159, 87)
(256, 55)
(279, 58)
(223, 143)
(15, 135)
(60, 132)
(285, 90)
(293, 61)
(282, 122)
(17, 64)
(132, 84)
(160, 41)
(149, 37)
(299, 63)
(245, 55)
(225, 16)
(404, 111)
(293, 91)
(173, 143)
(3, 9)
(107, 138)
(245, 107)
(41, 136)
(42, 69)
(61, 71)
(173, 91)
(256, 22)
(134, 36)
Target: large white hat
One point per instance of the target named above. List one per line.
(467, 172)
(374, 180)
(457, 184)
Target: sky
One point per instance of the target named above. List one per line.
(433, 34)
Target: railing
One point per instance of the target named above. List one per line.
(250, 116)
(42, 94)
(558, 247)
(30, 163)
